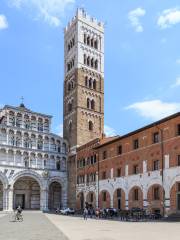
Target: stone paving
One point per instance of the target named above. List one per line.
(35, 226)
(76, 228)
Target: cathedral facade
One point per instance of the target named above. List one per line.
(32, 161)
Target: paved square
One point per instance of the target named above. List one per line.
(34, 227)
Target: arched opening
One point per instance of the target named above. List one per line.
(91, 199)
(104, 199)
(54, 200)
(1, 196)
(175, 198)
(119, 199)
(135, 198)
(155, 198)
(26, 193)
(90, 126)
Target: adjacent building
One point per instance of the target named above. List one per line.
(32, 161)
(138, 170)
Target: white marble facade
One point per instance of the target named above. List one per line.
(32, 161)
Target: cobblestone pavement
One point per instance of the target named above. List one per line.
(34, 227)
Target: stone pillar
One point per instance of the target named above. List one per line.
(167, 203)
(126, 201)
(10, 199)
(5, 203)
(126, 170)
(44, 200)
(144, 166)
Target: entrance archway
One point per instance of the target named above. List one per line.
(26, 193)
(1, 196)
(119, 199)
(54, 200)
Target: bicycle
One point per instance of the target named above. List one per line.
(15, 217)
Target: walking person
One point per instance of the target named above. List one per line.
(85, 213)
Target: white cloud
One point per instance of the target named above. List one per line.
(134, 16)
(109, 131)
(3, 22)
(177, 83)
(59, 130)
(168, 18)
(50, 11)
(178, 61)
(155, 109)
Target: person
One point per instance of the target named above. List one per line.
(85, 213)
(19, 211)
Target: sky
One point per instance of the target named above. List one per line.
(142, 58)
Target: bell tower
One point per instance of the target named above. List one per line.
(83, 79)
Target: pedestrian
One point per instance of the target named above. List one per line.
(85, 213)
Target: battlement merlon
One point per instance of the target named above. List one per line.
(84, 17)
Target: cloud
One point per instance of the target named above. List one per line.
(178, 61)
(177, 83)
(3, 22)
(134, 16)
(109, 131)
(59, 130)
(50, 11)
(168, 18)
(155, 109)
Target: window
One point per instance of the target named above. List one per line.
(103, 175)
(96, 64)
(178, 160)
(58, 167)
(90, 126)
(119, 149)
(92, 104)
(104, 155)
(156, 137)
(90, 83)
(92, 62)
(156, 165)
(136, 194)
(94, 158)
(91, 197)
(119, 172)
(88, 61)
(92, 42)
(86, 81)
(135, 169)
(88, 103)
(104, 196)
(96, 44)
(178, 129)
(94, 84)
(88, 40)
(85, 59)
(136, 143)
(85, 38)
(156, 193)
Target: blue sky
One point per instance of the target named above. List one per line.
(142, 57)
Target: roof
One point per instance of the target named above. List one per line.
(140, 129)
(22, 108)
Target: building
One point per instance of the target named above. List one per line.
(32, 161)
(140, 169)
(84, 80)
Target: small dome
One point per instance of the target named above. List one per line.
(22, 105)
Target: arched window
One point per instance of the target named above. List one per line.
(90, 125)
(88, 40)
(58, 165)
(94, 84)
(90, 83)
(88, 103)
(86, 81)
(92, 104)
(88, 61)
(84, 38)
(92, 62)
(96, 44)
(70, 127)
(69, 86)
(92, 42)
(85, 59)
(96, 64)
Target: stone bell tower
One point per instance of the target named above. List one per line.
(83, 79)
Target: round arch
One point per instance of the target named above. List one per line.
(119, 199)
(135, 197)
(91, 199)
(80, 200)
(54, 195)
(155, 198)
(104, 199)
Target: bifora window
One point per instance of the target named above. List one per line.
(156, 165)
(119, 172)
(136, 143)
(156, 137)
(104, 155)
(135, 169)
(119, 149)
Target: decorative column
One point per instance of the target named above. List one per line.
(10, 199)
(126, 201)
(44, 200)
(5, 199)
(167, 203)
